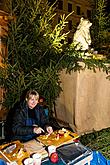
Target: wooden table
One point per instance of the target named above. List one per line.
(17, 151)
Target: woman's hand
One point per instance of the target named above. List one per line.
(38, 130)
(49, 129)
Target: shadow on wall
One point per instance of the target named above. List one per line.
(65, 117)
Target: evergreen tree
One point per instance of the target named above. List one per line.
(34, 49)
(100, 22)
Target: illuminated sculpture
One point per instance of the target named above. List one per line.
(82, 38)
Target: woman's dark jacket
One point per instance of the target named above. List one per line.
(22, 125)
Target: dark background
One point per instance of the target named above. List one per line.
(108, 6)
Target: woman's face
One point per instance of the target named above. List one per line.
(32, 101)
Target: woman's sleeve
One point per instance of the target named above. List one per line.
(18, 125)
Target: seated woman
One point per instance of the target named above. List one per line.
(29, 119)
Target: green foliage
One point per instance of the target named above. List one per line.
(31, 36)
(15, 82)
(47, 83)
(33, 51)
(100, 26)
(98, 140)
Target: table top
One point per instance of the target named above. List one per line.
(57, 138)
(17, 151)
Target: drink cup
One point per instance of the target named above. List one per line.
(28, 161)
(51, 149)
(37, 158)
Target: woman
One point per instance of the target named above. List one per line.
(29, 119)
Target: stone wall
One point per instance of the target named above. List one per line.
(85, 100)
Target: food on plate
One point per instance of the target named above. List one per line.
(66, 134)
(64, 130)
(14, 151)
(58, 137)
(61, 133)
(45, 136)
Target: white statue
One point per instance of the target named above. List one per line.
(82, 36)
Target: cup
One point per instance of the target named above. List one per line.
(36, 158)
(51, 149)
(28, 161)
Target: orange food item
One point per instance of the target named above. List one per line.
(61, 132)
(58, 138)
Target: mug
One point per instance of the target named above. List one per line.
(51, 149)
(36, 158)
(28, 161)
